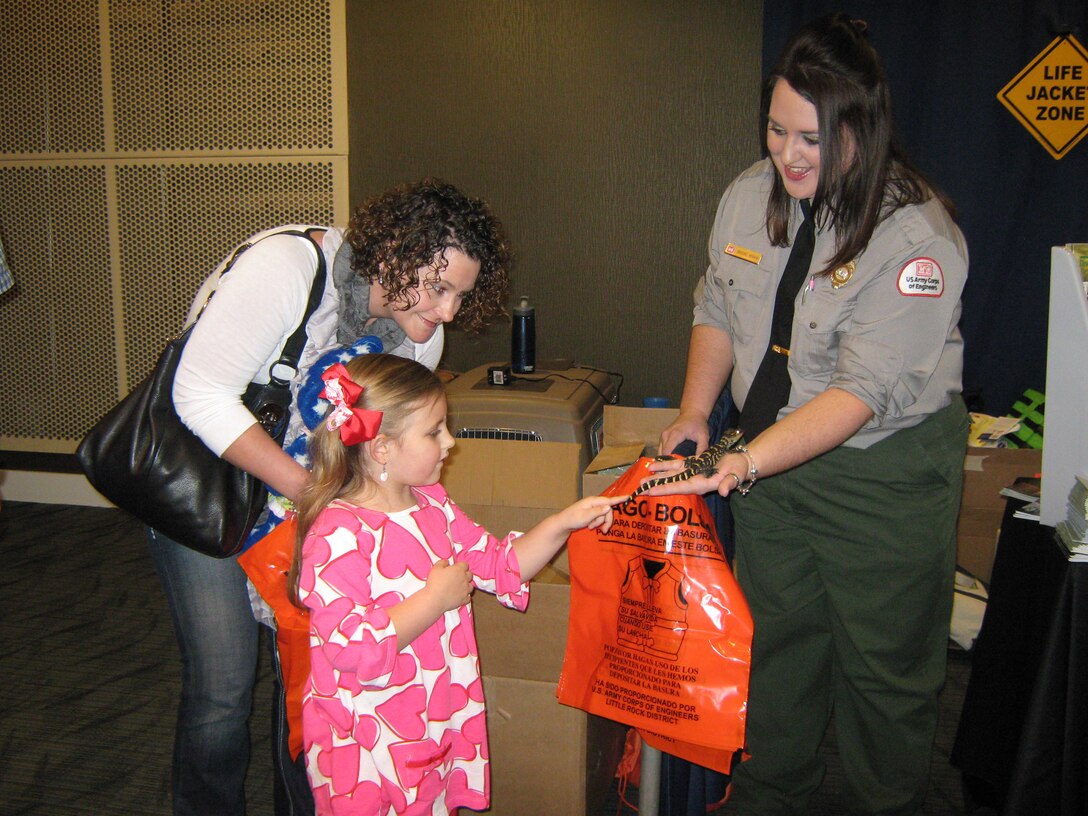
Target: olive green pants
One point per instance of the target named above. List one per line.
(847, 563)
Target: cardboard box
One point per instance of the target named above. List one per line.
(546, 757)
(541, 751)
(513, 485)
(986, 472)
(628, 434)
(543, 754)
(527, 477)
(525, 645)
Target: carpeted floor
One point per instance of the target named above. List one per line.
(90, 669)
(90, 678)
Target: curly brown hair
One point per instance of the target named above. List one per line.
(406, 229)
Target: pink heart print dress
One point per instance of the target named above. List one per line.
(387, 731)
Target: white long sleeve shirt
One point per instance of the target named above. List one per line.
(241, 333)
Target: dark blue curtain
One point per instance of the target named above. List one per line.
(946, 62)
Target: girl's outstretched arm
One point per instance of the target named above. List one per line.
(538, 546)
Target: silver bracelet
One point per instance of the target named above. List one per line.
(753, 472)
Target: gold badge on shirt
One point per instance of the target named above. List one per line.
(841, 276)
(749, 255)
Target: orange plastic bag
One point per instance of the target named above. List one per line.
(660, 636)
(267, 563)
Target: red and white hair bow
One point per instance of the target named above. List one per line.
(355, 424)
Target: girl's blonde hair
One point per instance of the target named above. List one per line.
(393, 385)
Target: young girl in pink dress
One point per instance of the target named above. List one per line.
(393, 715)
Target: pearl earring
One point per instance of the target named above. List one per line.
(383, 476)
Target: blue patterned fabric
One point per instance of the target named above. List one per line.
(306, 411)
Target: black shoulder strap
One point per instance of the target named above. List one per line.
(292, 349)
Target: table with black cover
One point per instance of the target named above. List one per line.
(1022, 743)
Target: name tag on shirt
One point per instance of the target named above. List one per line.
(749, 255)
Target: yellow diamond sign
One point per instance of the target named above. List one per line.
(1050, 96)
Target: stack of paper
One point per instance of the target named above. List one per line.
(1073, 531)
(1029, 511)
(1025, 488)
(1078, 498)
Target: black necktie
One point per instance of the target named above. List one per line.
(771, 386)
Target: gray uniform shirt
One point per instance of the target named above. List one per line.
(888, 334)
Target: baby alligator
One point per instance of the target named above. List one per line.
(702, 465)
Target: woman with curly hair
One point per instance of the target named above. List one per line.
(411, 260)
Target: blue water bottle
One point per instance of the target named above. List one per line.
(523, 338)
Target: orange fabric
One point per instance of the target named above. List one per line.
(267, 563)
(659, 636)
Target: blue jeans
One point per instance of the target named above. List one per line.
(218, 639)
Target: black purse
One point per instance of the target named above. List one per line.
(142, 458)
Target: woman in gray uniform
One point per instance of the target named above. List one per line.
(830, 307)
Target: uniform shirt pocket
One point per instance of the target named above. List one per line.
(749, 298)
(818, 326)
